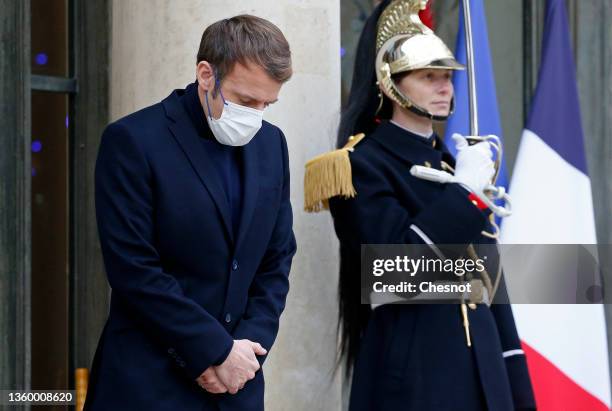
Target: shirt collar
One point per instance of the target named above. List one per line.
(193, 106)
(425, 136)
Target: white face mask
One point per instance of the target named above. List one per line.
(237, 124)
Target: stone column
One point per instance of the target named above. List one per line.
(593, 51)
(154, 45)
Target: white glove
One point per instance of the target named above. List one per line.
(474, 167)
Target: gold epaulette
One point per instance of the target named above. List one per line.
(329, 175)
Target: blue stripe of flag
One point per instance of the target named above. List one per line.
(555, 111)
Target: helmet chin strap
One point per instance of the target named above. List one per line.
(420, 111)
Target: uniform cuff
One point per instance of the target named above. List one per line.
(452, 218)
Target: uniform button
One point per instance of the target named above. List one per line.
(171, 351)
(182, 364)
(235, 265)
(228, 318)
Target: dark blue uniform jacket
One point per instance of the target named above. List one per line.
(415, 357)
(185, 282)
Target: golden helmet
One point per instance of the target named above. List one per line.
(404, 43)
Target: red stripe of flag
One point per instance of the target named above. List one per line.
(554, 390)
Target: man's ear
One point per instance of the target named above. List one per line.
(205, 75)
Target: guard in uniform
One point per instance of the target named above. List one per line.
(460, 357)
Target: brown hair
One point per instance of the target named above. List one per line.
(246, 38)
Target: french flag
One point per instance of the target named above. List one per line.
(566, 345)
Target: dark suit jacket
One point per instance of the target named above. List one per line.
(183, 285)
(415, 357)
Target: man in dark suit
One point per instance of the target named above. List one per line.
(195, 223)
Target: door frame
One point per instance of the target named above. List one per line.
(88, 85)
